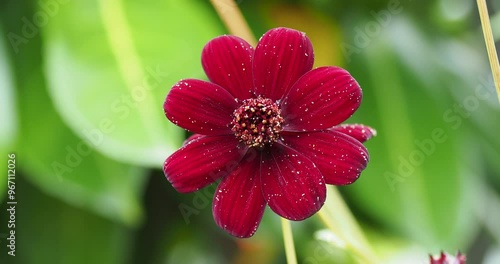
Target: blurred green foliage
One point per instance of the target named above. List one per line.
(133, 51)
(8, 110)
(82, 87)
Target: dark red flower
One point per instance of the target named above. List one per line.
(266, 126)
(445, 258)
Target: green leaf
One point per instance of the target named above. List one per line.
(414, 182)
(48, 230)
(65, 166)
(110, 64)
(345, 231)
(58, 162)
(8, 116)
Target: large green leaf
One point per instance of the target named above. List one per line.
(110, 64)
(414, 181)
(49, 231)
(53, 158)
(8, 116)
(344, 230)
(65, 166)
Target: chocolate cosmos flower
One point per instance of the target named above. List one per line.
(266, 126)
(446, 258)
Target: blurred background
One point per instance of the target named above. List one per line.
(82, 87)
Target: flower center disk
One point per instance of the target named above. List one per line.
(257, 122)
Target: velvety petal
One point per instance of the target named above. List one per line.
(202, 161)
(360, 132)
(238, 203)
(321, 99)
(200, 107)
(339, 157)
(227, 61)
(292, 185)
(281, 57)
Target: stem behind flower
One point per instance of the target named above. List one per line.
(288, 239)
(490, 43)
(337, 218)
(233, 19)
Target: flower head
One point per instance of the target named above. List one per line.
(445, 258)
(266, 126)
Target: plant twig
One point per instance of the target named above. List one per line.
(231, 15)
(338, 218)
(490, 43)
(288, 239)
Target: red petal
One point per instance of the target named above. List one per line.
(191, 138)
(238, 203)
(321, 99)
(227, 61)
(360, 132)
(340, 158)
(202, 161)
(281, 57)
(292, 185)
(200, 107)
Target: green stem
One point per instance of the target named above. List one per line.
(231, 15)
(288, 239)
(338, 218)
(490, 43)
